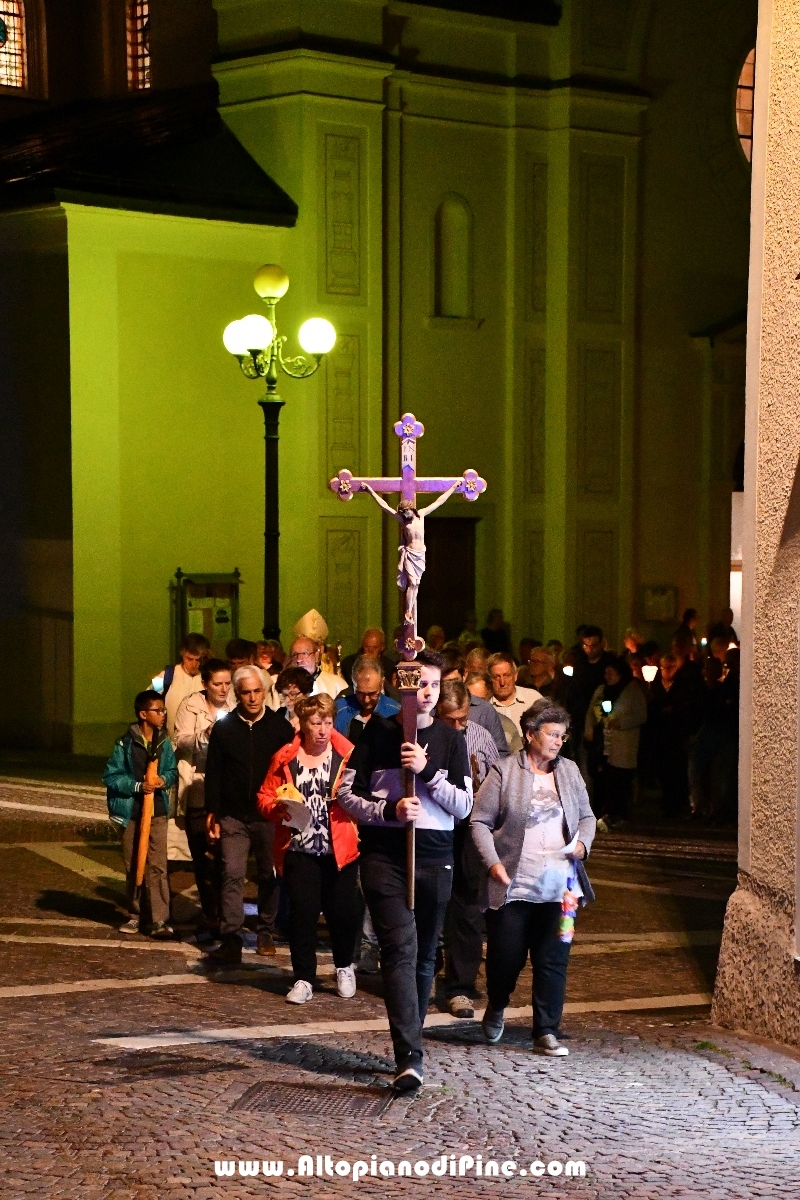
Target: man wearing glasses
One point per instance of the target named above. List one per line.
(307, 653)
(368, 698)
(126, 784)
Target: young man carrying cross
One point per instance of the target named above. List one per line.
(372, 792)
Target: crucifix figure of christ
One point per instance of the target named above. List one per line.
(411, 566)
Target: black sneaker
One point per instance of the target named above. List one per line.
(162, 932)
(493, 1025)
(229, 954)
(409, 1080)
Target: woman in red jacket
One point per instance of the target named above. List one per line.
(319, 863)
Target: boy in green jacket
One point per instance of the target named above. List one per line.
(124, 778)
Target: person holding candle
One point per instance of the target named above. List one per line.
(532, 826)
(616, 714)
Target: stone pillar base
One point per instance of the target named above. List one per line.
(758, 978)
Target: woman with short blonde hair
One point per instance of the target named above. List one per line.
(306, 706)
(316, 851)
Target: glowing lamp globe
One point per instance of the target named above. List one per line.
(607, 706)
(649, 672)
(256, 331)
(233, 339)
(317, 336)
(568, 671)
(271, 282)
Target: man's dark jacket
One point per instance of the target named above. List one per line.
(239, 755)
(586, 680)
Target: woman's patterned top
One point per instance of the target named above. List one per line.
(313, 783)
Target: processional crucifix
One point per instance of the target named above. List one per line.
(410, 570)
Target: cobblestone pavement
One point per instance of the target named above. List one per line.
(653, 1101)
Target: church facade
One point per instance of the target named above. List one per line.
(528, 223)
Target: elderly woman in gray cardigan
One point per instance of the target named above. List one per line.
(530, 819)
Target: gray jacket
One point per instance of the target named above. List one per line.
(501, 812)
(620, 746)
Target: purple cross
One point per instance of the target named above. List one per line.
(408, 483)
(410, 569)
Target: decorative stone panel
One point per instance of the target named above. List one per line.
(343, 405)
(599, 383)
(601, 217)
(343, 173)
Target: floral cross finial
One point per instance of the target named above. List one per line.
(409, 427)
(472, 485)
(343, 484)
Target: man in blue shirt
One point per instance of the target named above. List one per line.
(368, 699)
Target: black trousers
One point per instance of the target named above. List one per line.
(237, 838)
(407, 942)
(613, 789)
(207, 864)
(315, 884)
(514, 931)
(672, 768)
(463, 922)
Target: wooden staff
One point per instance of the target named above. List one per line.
(408, 675)
(145, 820)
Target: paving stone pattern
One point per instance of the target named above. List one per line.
(659, 1105)
(654, 1110)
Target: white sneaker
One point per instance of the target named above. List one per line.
(131, 926)
(549, 1044)
(346, 982)
(301, 993)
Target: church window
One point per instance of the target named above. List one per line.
(138, 44)
(453, 258)
(13, 45)
(745, 94)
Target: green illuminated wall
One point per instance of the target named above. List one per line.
(167, 439)
(608, 198)
(596, 169)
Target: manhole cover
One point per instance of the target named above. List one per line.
(337, 1101)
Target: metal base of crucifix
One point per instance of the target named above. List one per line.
(409, 573)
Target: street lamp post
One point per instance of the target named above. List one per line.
(255, 343)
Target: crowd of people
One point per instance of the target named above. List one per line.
(299, 761)
(654, 730)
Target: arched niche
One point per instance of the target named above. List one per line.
(453, 287)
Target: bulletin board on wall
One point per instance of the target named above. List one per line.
(205, 603)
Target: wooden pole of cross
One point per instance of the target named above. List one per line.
(410, 570)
